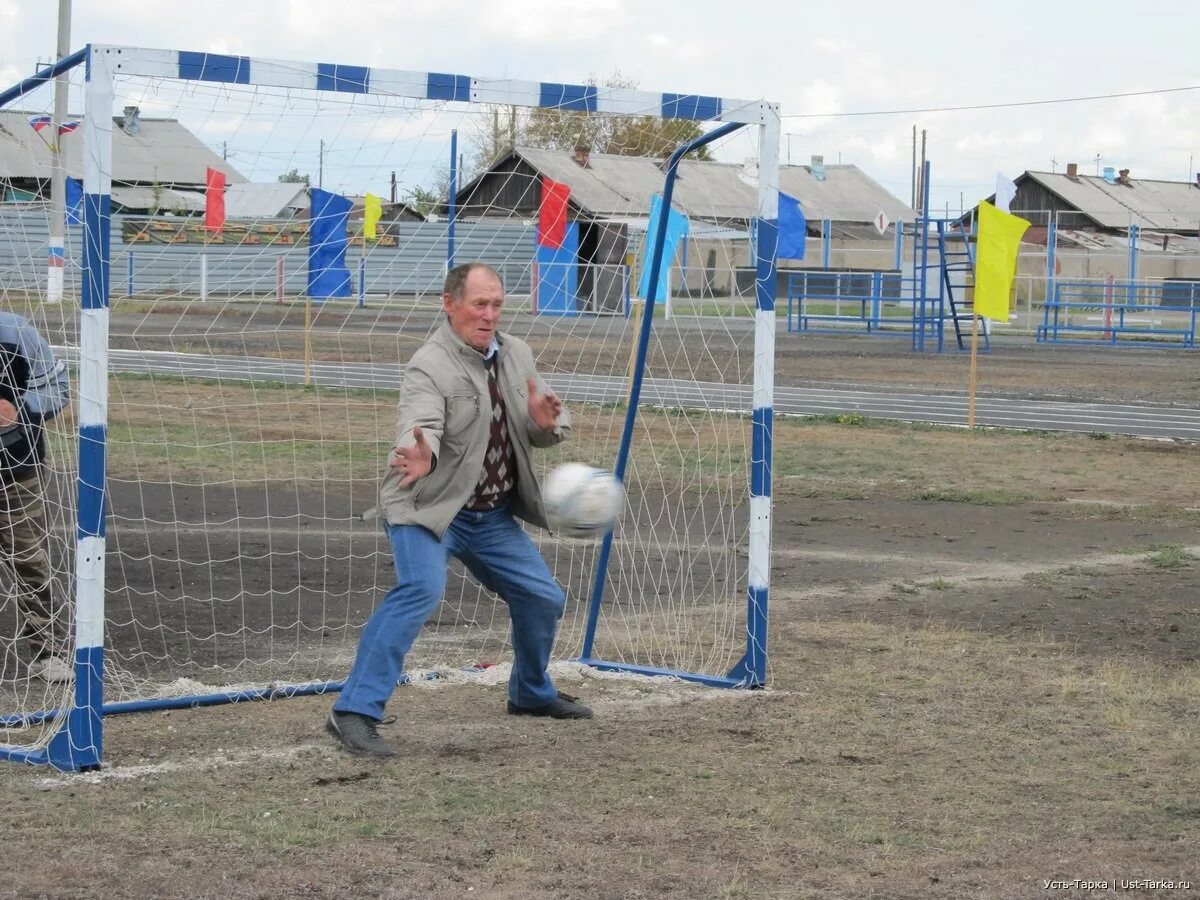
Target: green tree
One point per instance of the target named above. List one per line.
(424, 200)
(294, 177)
(557, 129)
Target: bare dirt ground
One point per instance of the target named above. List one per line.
(1015, 367)
(980, 683)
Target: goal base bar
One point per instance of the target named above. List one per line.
(739, 677)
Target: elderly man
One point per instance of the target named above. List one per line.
(472, 407)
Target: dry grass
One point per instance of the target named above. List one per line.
(255, 432)
(927, 733)
(926, 762)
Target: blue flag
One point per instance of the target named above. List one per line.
(327, 272)
(677, 229)
(793, 228)
(74, 201)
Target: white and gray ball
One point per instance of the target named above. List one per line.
(582, 501)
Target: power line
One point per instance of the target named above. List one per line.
(933, 109)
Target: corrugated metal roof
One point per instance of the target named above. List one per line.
(263, 201)
(1171, 205)
(621, 186)
(846, 194)
(1148, 241)
(162, 151)
(147, 198)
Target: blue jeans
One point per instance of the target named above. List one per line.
(502, 557)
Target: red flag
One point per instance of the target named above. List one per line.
(552, 214)
(214, 200)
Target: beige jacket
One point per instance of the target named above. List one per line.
(445, 391)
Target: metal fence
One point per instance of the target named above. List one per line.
(415, 266)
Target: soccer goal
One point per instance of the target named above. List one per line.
(261, 248)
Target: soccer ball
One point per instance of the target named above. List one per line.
(582, 501)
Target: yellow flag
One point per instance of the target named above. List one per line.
(372, 210)
(996, 260)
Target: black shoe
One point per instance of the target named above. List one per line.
(357, 734)
(564, 706)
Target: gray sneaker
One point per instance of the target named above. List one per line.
(357, 734)
(564, 706)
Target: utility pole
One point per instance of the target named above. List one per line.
(321, 165)
(913, 173)
(57, 254)
(393, 195)
(921, 177)
(224, 149)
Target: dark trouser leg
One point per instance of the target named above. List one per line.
(25, 544)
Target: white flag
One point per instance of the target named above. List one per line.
(1005, 191)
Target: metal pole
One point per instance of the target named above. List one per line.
(1051, 257)
(57, 256)
(922, 187)
(656, 270)
(926, 168)
(452, 200)
(921, 253)
(1133, 263)
(913, 173)
(321, 165)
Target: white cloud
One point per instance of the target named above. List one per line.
(811, 59)
(997, 141)
(548, 21)
(887, 149)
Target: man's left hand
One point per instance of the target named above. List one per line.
(543, 408)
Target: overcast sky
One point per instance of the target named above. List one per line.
(814, 59)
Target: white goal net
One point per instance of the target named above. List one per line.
(252, 377)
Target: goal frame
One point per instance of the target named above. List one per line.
(77, 744)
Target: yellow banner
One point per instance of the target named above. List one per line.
(372, 210)
(996, 260)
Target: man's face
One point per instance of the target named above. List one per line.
(476, 314)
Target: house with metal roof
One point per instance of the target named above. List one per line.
(610, 199)
(278, 200)
(1110, 202)
(156, 162)
(616, 188)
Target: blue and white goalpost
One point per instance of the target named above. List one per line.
(233, 417)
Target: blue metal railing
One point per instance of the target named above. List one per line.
(864, 293)
(1108, 312)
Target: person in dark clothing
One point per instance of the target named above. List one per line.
(34, 388)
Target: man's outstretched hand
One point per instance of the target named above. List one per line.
(413, 462)
(543, 408)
